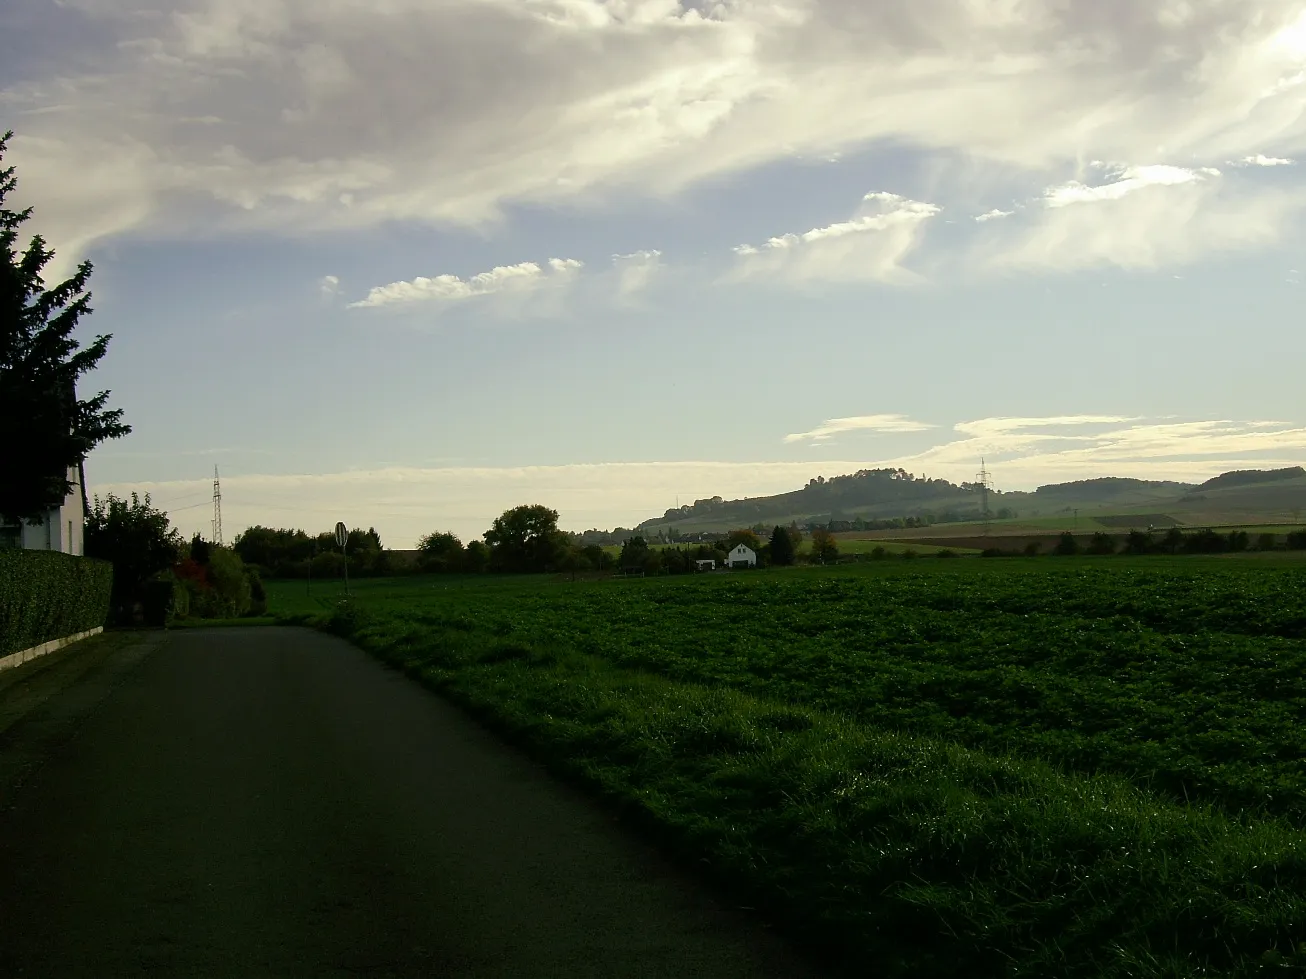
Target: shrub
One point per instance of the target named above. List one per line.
(47, 595)
(1032, 548)
(1205, 542)
(1297, 540)
(878, 553)
(1138, 542)
(1066, 545)
(1101, 544)
(1266, 542)
(946, 554)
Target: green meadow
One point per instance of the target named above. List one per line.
(920, 768)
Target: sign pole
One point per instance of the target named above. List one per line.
(342, 538)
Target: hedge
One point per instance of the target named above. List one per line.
(47, 595)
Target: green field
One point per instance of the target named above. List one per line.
(1025, 767)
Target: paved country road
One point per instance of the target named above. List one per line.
(273, 802)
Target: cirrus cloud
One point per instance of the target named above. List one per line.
(884, 424)
(870, 246)
(297, 115)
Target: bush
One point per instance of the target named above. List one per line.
(258, 596)
(1032, 548)
(1297, 540)
(1205, 542)
(47, 595)
(1138, 543)
(156, 601)
(946, 554)
(1266, 542)
(1101, 544)
(878, 553)
(1067, 546)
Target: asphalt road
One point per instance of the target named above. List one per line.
(272, 802)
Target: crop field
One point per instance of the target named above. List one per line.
(1025, 768)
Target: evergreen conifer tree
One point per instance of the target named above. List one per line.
(45, 429)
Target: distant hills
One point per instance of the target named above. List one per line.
(872, 495)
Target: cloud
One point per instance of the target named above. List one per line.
(297, 115)
(1140, 217)
(1260, 160)
(446, 289)
(993, 215)
(1024, 452)
(1130, 179)
(861, 423)
(636, 271)
(329, 286)
(870, 246)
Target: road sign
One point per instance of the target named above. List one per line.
(342, 534)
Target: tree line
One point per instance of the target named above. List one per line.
(522, 540)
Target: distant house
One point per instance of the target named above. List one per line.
(706, 564)
(742, 556)
(58, 530)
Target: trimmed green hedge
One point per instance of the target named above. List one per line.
(47, 595)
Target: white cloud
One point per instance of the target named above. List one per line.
(861, 423)
(329, 286)
(1260, 160)
(1024, 452)
(636, 271)
(870, 246)
(296, 115)
(993, 215)
(1131, 179)
(445, 289)
(1142, 217)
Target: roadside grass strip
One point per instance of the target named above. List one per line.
(896, 854)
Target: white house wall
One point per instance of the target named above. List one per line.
(61, 529)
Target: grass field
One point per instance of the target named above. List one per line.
(932, 768)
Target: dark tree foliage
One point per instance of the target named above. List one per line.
(440, 552)
(137, 539)
(45, 429)
(825, 549)
(526, 539)
(782, 547)
(1139, 542)
(1101, 544)
(1066, 545)
(634, 553)
(199, 550)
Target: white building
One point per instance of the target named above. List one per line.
(742, 556)
(58, 530)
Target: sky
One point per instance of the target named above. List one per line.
(408, 263)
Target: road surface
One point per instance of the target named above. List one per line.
(272, 802)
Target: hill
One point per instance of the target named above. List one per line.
(881, 495)
(1252, 477)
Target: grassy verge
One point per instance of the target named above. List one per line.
(896, 855)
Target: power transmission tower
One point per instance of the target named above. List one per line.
(217, 509)
(984, 480)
